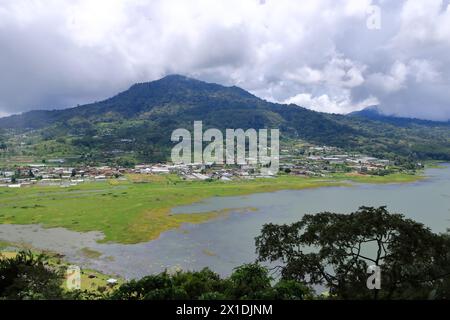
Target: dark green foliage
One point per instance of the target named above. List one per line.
(27, 276)
(335, 250)
(164, 286)
(415, 139)
(249, 281)
(3, 145)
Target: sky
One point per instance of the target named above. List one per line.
(326, 55)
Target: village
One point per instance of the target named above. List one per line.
(309, 160)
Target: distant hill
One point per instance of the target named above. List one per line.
(375, 113)
(136, 124)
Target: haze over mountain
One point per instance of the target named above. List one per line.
(376, 113)
(140, 120)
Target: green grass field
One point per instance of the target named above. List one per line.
(391, 178)
(138, 209)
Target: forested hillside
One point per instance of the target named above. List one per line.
(136, 125)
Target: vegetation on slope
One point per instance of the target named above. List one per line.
(135, 125)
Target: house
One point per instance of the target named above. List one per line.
(200, 176)
(8, 173)
(160, 170)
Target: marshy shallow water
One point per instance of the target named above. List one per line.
(227, 242)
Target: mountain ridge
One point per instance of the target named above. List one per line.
(375, 113)
(148, 112)
(157, 89)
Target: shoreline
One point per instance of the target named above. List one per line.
(87, 254)
(152, 219)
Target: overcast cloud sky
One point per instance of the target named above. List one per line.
(318, 54)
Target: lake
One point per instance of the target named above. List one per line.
(227, 242)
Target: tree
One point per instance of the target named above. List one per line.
(26, 276)
(3, 145)
(166, 286)
(335, 250)
(250, 281)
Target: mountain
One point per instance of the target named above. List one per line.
(136, 125)
(375, 113)
(135, 101)
(368, 112)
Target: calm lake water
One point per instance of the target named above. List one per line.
(227, 242)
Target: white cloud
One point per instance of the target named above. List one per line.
(344, 73)
(325, 103)
(338, 72)
(424, 71)
(58, 53)
(424, 22)
(305, 75)
(392, 81)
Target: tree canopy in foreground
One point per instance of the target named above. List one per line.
(335, 250)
